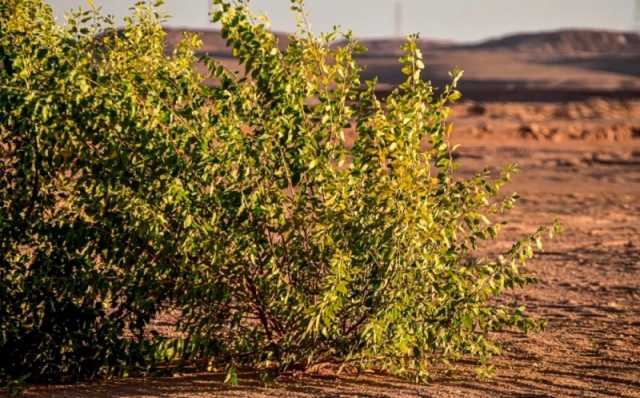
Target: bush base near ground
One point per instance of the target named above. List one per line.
(129, 187)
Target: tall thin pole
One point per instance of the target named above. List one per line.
(636, 17)
(397, 28)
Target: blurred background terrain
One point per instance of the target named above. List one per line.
(524, 51)
(556, 65)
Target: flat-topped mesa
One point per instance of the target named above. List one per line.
(566, 42)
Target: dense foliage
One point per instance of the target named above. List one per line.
(128, 188)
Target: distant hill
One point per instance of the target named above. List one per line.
(565, 42)
(560, 42)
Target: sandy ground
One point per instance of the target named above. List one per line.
(581, 164)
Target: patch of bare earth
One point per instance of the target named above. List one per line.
(581, 164)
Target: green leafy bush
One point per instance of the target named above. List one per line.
(97, 129)
(128, 187)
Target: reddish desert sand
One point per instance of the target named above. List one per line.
(581, 164)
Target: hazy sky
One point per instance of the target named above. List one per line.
(441, 19)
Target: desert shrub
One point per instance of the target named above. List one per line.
(97, 129)
(128, 186)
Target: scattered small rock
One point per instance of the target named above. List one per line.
(477, 109)
(532, 130)
(568, 163)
